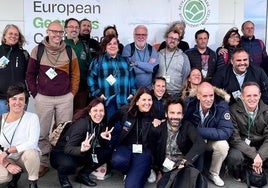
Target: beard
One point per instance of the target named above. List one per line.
(174, 122)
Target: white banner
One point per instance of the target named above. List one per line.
(126, 14)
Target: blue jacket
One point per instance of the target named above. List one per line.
(218, 124)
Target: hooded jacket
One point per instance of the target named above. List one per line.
(218, 124)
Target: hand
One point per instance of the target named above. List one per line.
(103, 97)
(13, 169)
(156, 122)
(182, 164)
(222, 51)
(85, 145)
(3, 155)
(107, 133)
(257, 164)
(130, 97)
(152, 60)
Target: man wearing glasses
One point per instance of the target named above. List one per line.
(174, 65)
(142, 56)
(83, 53)
(53, 82)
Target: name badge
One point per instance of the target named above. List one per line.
(111, 79)
(168, 164)
(136, 148)
(247, 141)
(167, 77)
(3, 62)
(51, 73)
(94, 158)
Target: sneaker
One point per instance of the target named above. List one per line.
(152, 177)
(216, 180)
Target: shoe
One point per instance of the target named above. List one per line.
(216, 180)
(42, 170)
(14, 181)
(33, 184)
(237, 175)
(84, 179)
(152, 177)
(64, 182)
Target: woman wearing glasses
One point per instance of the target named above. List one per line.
(231, 40)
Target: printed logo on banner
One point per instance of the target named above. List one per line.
(194, 12)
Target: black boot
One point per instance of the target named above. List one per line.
(33, 184)
(84, 179)
(64, 181)
(14, 181)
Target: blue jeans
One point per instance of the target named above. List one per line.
(3, 106)
(135, 165)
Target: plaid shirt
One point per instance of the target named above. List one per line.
(104, 66)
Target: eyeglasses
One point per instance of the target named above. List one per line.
(140, 35)
(173, 39)
(72, 27)
(56, 32)
(234, 37)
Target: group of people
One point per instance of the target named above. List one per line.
(142, 112)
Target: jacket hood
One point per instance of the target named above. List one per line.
(219, 92)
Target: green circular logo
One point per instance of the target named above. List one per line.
(194, 11)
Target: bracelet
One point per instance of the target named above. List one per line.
(7, 165)
(8, 153)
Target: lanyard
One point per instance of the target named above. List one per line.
(137, 131)
(57, 58)
(10, 142)
(167, 65)
(96, 133)
(250, 123)
(142, 60)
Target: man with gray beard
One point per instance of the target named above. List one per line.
(174, 65)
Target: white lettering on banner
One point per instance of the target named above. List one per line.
(67, 9)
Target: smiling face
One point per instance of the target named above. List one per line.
(97, 113)
(140, 36)
(251, 96)
(112, 47)
(172, 41)
(85, 28)
(17, 103)
(145, 102)
(55, 32)
(240, 62)
(72, 29)
(174, 115)
(234, 39)
(12, 36)
(248, 30)
(195, 77)
(159, 88)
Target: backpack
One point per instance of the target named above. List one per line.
(58, 132)
(132, 49)
(41, 48)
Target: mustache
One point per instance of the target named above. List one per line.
(242, 65)
(175, 119)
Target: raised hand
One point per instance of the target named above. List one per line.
(85, 145)
(107, 133)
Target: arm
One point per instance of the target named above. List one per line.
(92, 79)
(75, 74)
(186, 67)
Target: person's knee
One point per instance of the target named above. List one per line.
(235, 157)
(221, 147)
(31, 155)
(5, 176)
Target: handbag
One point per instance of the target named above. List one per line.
(255, 179)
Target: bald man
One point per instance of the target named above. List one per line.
(212, 119)
(53, 82)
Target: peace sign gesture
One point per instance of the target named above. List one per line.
(107, 133)
(85, 145)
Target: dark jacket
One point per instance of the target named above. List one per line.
(224, 59)
(70, 143)
(258, 131)
(15, 71)
(125, 123)
(195, 60)
(218, 124)
(189, 142)
(227, 80)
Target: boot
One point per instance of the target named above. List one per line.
(84, 179)
(13, 183)
(64, 181)
(33, 184)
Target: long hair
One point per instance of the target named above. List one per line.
(228, 35)
(84, 112)
(133, 108)
(21, 40)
